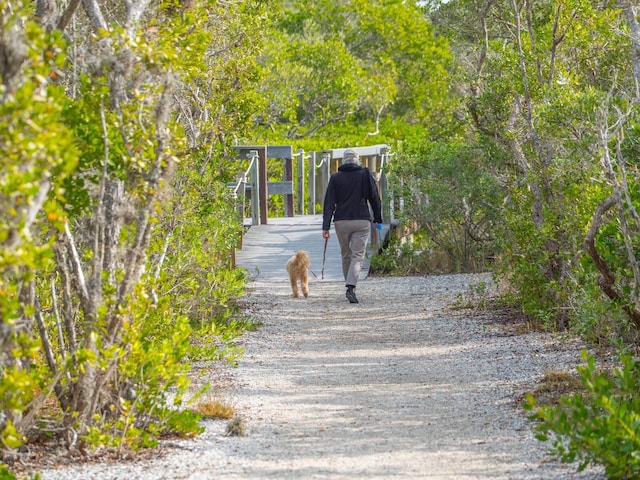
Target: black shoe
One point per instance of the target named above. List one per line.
(351, 295)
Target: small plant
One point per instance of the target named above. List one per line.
(397, 259)
(555, 384)
(6, 474)
(236, 428)
(546, 320)
(599, 426)
(214, 408)
(478, 296)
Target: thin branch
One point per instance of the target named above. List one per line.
(634, 27)
(44, 338)
(28, 214)
(34, 406)
(66, 17)
(67, 306)
(56, 315)
(378, 113)
(78, 272)
(92, 8)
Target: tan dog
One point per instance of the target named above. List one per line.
(298, 268)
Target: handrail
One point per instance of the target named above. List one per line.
(252, 172)
(325, 159)
(383, 159)
(243, 178)
(321, 166)
(382, 181)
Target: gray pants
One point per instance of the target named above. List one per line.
(352, 236)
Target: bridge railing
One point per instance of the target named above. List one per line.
(319, 167)
(239, 189)
(375, 158)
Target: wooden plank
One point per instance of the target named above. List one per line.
(368, 151)
(266, 249)
(279, 188)
(280, 151)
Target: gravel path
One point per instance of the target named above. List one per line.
(399, 386)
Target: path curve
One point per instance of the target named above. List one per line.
(399, 386)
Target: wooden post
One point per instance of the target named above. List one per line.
(262, 181)
(255, 189)
(385, 197)
(312, 183)
(288, 177)
(322, 178)
(300, 182)
(372, 165)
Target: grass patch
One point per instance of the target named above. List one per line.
(214, 408)
(555, 384)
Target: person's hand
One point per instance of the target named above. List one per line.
(325, 234)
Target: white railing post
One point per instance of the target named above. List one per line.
(300, 181)
(255, 187)
(383, 186)
(312, 183)
(325, 173)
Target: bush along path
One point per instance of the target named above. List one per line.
(405, 384)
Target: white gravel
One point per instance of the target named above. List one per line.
(399, 386)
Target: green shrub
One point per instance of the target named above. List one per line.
(597, 319)
(449, 199)
(398, 258)
(6, 474)
(601, 426)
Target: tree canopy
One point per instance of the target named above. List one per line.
(373, 68)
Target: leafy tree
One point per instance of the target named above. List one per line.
(36, 152)
(614, 251)
(93, 180)
(551, 90)
(369, 68)
(450, 195)
(532, 93)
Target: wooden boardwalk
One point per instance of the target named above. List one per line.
(266, 249)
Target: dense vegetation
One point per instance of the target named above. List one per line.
(117, 229)
(514, 127)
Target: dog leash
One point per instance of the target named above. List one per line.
(324, 256)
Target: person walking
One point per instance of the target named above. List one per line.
(352, 201)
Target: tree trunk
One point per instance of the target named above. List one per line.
(607, 279)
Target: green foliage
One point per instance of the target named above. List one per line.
(154, 372)
(81, 321)
(36, 152)
(398, 258)
(599, 321)
(193, 246)
(601, 426)
(544, 223)
(533, 93)
(362, 66)
(449, 194)
(6, 474)
(478, 296)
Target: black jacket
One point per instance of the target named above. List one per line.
(347, 195)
